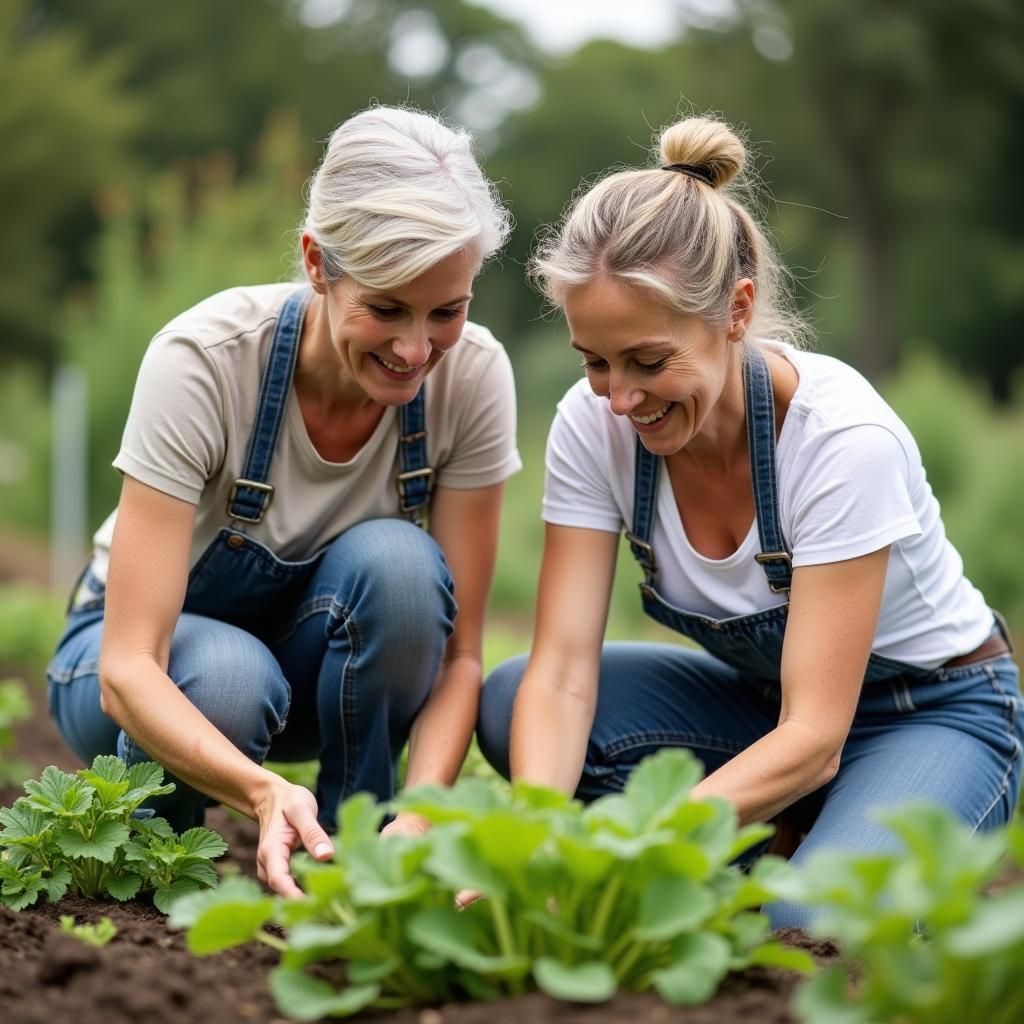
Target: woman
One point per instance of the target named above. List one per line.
(264, 588)
(781, 516)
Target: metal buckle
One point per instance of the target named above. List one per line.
(649, 565)
(254, 485)
(412, 474)
(419, 435)
(775, 556)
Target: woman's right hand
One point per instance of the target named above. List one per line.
(287, 818)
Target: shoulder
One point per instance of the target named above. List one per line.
(230, 315)
(478, 360)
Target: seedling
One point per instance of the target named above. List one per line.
(97, 935)
(79, 834)
(636, 891)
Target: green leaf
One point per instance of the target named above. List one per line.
(468, 800)
(542, 798)
(107, 837)
(306, 998)
(201, 871)
(455, 936)
(58, 882)
(313, 935)
(385, 873)
(554, 927)
(589, 982)
(155, 828)
(124, 887)
(455, 861)
(660, 784)
(823, 999)
(364, 972)
(774, 954)
(996, 925)
(586, 863)
(507, 841)
(670, 906)
(23, 824)
(202, 842)
(225, 924)
(699, 962)
(165, 896)
(59, 793)
(145, 780)
(108, 777)
(359, 817)
(748, 837)
(235, 889)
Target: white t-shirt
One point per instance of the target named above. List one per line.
(195, 404)
(850, 481)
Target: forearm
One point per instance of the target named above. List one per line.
(442, 730)
(783, 765)
(550, 730)
(140, 697)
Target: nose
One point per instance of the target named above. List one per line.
(623, 397)
(413, 346)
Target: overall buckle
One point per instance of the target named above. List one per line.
(253, 485)
(645, 556)
(775, 556)
(413, 474)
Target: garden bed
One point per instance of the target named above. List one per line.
(146, 972)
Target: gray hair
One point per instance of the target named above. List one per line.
(396, 192)
(681, 235)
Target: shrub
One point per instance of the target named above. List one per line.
(14, 708)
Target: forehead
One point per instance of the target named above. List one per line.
(607, 313)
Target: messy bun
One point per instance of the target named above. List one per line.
(666, 230)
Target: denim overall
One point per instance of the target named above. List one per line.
(336, 604)
(951, 735)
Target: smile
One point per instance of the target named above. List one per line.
(654, 416)
(393, 368)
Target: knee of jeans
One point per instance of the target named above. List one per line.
(494, 718)
(391, 576)
(238, 685)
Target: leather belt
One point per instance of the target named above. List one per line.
(993, 647)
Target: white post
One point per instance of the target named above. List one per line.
(68, 494)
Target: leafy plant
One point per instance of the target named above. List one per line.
(97, 935)
(930, 945)
(30, 623)
(14, 708)
(80, 834)
(636, 891)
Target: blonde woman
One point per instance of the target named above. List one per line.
(781, 516)
(265, 587)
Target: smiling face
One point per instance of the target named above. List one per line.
(664, 370)
(385, 342)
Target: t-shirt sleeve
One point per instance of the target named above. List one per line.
(174, 439)
(851, 496)
(484, 451)
(577, 490)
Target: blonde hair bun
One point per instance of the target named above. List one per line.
(705, 143)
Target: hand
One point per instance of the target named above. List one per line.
(464, 897)
(406, 825)
(287, 817)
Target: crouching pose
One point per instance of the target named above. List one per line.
(782, 519)
(265, 588)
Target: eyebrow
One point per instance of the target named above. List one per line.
(640, 346)
(398, 302)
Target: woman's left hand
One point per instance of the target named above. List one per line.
(406, 825)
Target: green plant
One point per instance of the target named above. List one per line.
(635, 891)
(14, 708)
(30, 623)
(928, 944)
(79, 834)
(97, 935)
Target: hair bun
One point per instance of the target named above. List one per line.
(707, 144)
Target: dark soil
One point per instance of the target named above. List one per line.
(147, 974)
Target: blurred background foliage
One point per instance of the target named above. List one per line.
(157, 152)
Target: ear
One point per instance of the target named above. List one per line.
(742, 309)
(312, 262)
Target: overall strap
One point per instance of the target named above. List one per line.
(645, 503)
(251, 495)
(416, 478)
(774, 557)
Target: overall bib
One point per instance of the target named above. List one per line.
(291, 624)
(952, 735)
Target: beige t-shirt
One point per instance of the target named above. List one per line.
(195, 403)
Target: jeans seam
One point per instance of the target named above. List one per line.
(347, 695)
(1010, 705)
(84, 668)
(682, 739)
(326, 603)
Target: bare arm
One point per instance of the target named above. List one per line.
(146, 585)
(555, 706)
(833, 614)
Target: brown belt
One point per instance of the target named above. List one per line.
(993, 647)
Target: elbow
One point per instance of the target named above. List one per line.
(830, 769)
(110, 689)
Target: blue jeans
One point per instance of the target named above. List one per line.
(339, 676)
(951, 736)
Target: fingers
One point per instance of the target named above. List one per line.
(465, 897)
(314, 838)
(273, 870)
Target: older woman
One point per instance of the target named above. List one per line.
(265, 587)
(781, 515)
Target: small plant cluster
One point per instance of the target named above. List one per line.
(635, 891)
(80, 834)
(928, 944)
(96, 935)
(14, 708)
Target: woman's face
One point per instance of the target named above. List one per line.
(387, 341)
(664, 370)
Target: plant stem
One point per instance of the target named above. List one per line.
(503, 928)
(271, 940)
(604, 908)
